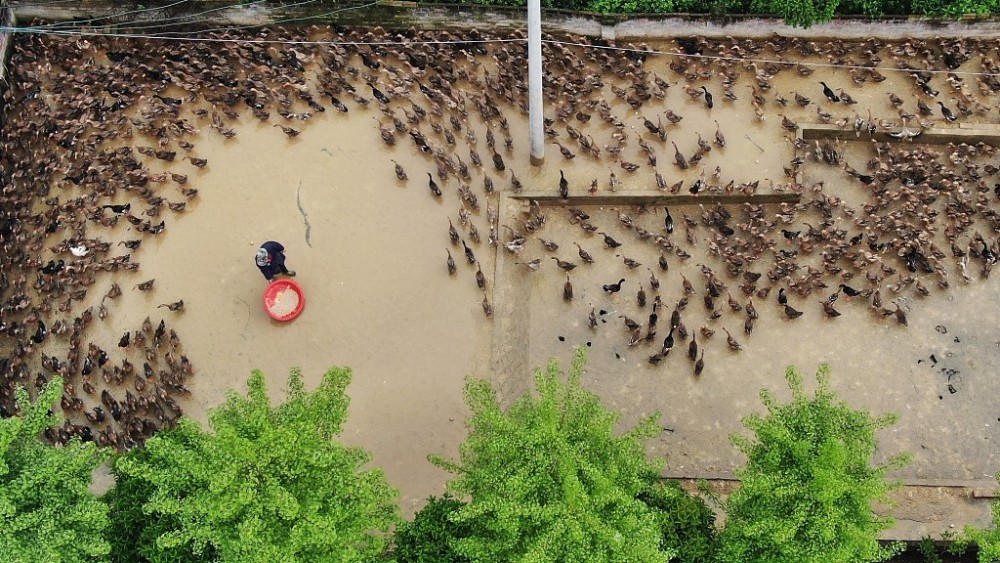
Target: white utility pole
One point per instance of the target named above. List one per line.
(536, 127)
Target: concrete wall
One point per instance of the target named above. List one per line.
(395, 14)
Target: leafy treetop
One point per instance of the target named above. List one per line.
(47, 512)
(269, 485)
(808, 484)
(549, 480)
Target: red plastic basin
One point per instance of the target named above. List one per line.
(276, 288)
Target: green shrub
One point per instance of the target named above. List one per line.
(808, 486)
(429, 538)
(551, 478)
(269, 484)
(988, 540)
(687, 524)
(47, 512)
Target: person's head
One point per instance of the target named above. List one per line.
(263, 258)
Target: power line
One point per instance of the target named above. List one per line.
(164, 22)
(57, 25)
(43, 4)
(648, 52)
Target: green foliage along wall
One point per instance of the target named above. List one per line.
(808, 485)
(47, 512)
(270, 484)
(800, 13)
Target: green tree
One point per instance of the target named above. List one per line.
(47, 512)
(687, 524)
(549, 479)
(988, 541)
(429, 538)
(270, 484)
(808, 484)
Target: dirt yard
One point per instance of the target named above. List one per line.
(909, 227)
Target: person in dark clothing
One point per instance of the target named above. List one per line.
(271, 260)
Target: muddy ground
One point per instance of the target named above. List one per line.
(370, 252)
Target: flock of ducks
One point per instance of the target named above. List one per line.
(919, 215)
(88, 122)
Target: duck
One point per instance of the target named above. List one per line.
(379, 95)
(610, 242)
(549, 245)
(584, 255)
(720, 139)
(845, 98)
(788, 124)
(563, 186)
(480, 278)
(830, 95)
(829, 310)
(654, 282)
(699, 366)
(629, 166)
(40, 333)
(291, 133)
(629, 263)
(435, 189)
(498, 162)
(175, 306)
(451, 264)
(668, 342)
(567, 154)
(734, 345)
(53, 267)
(118, 209)
(693, 349)
(708, 98)
(532, 265)
(400, 173)
(679, 159)
(567, 266)
(146, 285)
(614, 287)
(469, 256)
(849, 291)
(900, 315)
(686, 284)
(948, 115)
(792, 313)
(629, 323)
(515, 184)
(568, 290)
